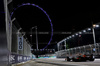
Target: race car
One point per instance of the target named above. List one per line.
(78, 58)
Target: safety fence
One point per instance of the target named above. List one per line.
(86, 49)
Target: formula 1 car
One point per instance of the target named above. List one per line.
(81, 58)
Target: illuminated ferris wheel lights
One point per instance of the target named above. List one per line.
(45, 14)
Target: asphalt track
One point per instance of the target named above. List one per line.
(58, 62)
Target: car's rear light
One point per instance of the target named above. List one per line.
(77, 58)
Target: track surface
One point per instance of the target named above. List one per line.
(58, 62)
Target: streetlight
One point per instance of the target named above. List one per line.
(70, 37)
(95, 25)
(84, 30)
(73, 36)
(76, 34)
(36, 36)
(80, 32)
(67, 37)
(89, 29)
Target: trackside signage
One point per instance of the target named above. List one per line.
(20, 43)
(16, 58)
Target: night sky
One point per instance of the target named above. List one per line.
(65, 16)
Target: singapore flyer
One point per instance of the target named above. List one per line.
(25, 4)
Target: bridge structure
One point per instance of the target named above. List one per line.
(86, 49)
(86, 41)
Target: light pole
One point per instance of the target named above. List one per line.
(36, 36)
(58, 46)
(18, 34)
(31, 36)
(65, 44)
(94, 36)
